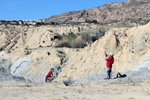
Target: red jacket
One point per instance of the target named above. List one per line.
(110, 61)
(50, 74)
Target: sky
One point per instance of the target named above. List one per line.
(38, 9)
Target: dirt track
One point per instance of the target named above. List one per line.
(58, 91)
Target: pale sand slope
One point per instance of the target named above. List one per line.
(58, 91)
(131, 48)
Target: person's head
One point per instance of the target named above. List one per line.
(52, 69)
(111, 54)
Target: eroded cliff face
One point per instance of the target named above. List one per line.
(23, 47)
(32, 61)
(131, 48)
(32, 37)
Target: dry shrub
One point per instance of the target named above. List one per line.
(78, 43)
(71, 40)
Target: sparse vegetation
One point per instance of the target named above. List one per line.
(142, 22)
(123, 24)
(92, 21)
(72, 40)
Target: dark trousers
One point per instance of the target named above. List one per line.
(109, 73)
(49, 79)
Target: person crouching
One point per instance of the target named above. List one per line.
(49, 76)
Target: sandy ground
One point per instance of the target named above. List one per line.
(58, 91)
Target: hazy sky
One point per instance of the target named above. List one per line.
(37, 9)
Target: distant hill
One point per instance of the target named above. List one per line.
(131, 10)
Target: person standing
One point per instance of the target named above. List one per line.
(110, 61)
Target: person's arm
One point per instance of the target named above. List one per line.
(105, 56)
(108, 59)
(52, 76)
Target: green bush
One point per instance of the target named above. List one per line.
(92, 21)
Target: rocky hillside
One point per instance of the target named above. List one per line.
(131, 10)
